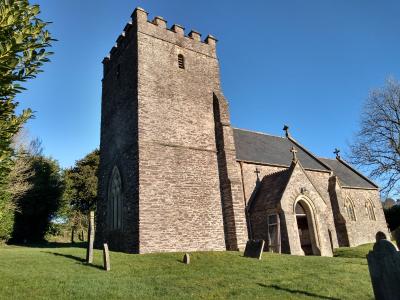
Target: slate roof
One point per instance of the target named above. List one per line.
(348, 176)
(270, 189)
(263, 148)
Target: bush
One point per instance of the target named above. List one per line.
(6, 216)
(392, 216)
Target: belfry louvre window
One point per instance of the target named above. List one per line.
(181, 61)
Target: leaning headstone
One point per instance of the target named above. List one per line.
(89, 251)
(384, 269)
(106, 258)
(254, 248)
(186, 258)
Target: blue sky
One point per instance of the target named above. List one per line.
(308, 64)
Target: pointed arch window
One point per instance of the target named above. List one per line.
(370, 210)
(349, 206)
(181, 61)
(115, 200)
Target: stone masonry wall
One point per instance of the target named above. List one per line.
(179, 190)
(363, 230)
(118, 143)
(318, 209)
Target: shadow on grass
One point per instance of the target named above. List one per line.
(76, 258)
(277, 287)
(52, 245)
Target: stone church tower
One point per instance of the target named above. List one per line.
(168, 177)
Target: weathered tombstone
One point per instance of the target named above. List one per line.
(106, 257)
(89, 251)
(384, 269)
(254, 248)
(186, 258)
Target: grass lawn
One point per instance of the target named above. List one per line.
(58, 272)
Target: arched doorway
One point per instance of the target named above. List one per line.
(306, 230)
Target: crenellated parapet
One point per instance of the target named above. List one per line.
(158, 28)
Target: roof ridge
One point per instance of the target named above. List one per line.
(309, 153)
(259, 132)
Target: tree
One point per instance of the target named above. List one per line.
(23, 43)
(80, 194)
(377, 144)
(39, 205)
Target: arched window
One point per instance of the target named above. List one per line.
(370, 210)
(181, 61)
(349, 206)
(115, 200)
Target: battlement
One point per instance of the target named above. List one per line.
(158, 29)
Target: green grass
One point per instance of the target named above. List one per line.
(356, 252)
(58, 272)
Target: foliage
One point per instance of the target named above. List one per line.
(39, 205)
(23, 42)
(392, 216)
(7, 209)
(377, 144)
(80, 192)
(16, 184)
(81, 183)
(211, 275)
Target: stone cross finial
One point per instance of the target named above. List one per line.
(257, 171)
(286, 129)
(294, 152)
(337, 151)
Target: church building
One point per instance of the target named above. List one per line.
(175, 175)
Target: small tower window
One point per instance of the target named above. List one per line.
(118, 70)
(181, 61)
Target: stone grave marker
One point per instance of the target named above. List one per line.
(254, 248)
(106, 257)
(186, 258)
(384, 269)
(89, 251)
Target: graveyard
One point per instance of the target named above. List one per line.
(59, 271)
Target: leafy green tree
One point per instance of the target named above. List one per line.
(80, 192)
(39, 205)
(23, 43)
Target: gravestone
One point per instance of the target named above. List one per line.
(186, 258)
(89, 251)
(384, 269)
(106, 258)
(254, 248)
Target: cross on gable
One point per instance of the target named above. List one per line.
(294, 152)
(257, 171)
(337, 151)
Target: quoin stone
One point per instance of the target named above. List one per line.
(175, 175)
